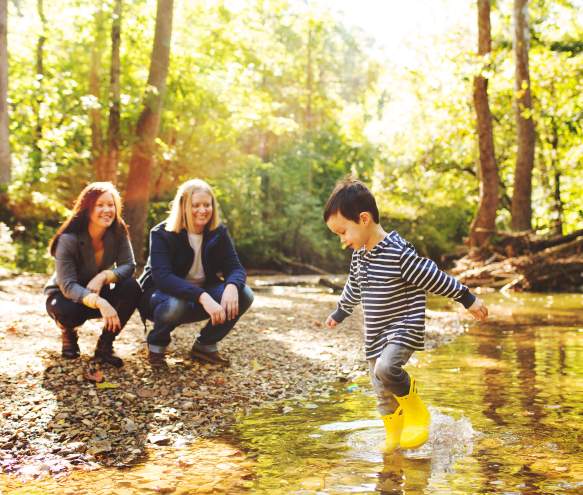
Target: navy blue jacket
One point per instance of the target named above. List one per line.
(171, 258)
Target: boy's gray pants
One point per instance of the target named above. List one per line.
(389, 378)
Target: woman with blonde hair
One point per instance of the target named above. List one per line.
(92, 250)
(181, 281)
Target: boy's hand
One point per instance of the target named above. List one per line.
(331, 322)
(479, 310)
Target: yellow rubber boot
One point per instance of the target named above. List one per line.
(416, 419)
(393, 426)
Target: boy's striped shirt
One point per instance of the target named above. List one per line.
(391, 282)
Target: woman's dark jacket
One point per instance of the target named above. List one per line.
(171, 258)
(75, 262)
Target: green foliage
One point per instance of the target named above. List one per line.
(274, 209)
(31, 247)
(273, 102)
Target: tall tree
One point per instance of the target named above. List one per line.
(138, 186)
(484, 223)
(106, 154)
(5, 166)
(38, 131)
(113, 131)
(309, 78)
(521, 198)
(95, 117)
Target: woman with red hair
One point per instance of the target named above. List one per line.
(92, 251)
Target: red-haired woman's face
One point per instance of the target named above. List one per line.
(103, 212)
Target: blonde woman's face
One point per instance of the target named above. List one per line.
(202, 209)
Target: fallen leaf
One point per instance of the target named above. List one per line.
(11, 329)
(94, 376)
(256, 366)
(105, 385)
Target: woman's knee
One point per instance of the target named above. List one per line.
(246, 298)
(64, 311)
(169, 310)
(129, 289)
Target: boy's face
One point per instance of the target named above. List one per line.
(352, 235)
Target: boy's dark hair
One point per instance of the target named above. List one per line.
(351, 197)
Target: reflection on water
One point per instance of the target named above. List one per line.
(205, 467)
(506, 403)
(506, 400)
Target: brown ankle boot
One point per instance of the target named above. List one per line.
(212, 357)
(157, 359)
(69, 342)
(104, 350)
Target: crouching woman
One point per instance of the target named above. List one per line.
(181, 280)
(94, 266)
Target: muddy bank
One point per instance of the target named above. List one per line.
(53, 420)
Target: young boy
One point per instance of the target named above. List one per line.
(390, 280)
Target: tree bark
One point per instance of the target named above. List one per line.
(484, 224)
(97, 145)
(309, 80)
(558, 205)
(5, 163)
(38, 130)
(113, 132)
(138, 186)
(558, 202)
(521, 199)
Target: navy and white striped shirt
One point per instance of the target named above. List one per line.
(391, 282)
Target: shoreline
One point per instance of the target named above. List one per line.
(54, 421)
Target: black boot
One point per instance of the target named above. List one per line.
(69, 342)
(104, 350)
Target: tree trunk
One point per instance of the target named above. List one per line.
(38, 130)
(558, 202)
(138, 186)
(521, 198)
(113, 133)
(484, 224)
(309, 121)
(97, 147)
(5, 165)
(558, 205)
(309, 80)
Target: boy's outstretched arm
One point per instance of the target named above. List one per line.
(424, 273)
(348, 300)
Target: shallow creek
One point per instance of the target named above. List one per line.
(506, 401)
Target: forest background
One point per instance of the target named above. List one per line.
(272, 101)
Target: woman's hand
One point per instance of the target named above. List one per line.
(109, 314)
(213, 308)
(97, 282)
(230, 301)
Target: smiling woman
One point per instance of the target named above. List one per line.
(181, 280)
(92, 241)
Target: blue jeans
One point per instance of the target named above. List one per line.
(389, 378)
(168, 312)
